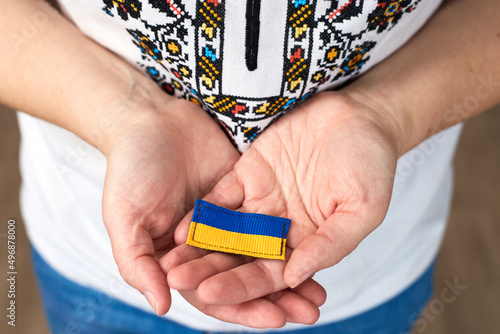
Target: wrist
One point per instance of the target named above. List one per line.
(139, 108)
(391, 114)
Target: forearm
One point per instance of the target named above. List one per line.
(449, 72)
(50, 70)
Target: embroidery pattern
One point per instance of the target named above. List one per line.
(325, 44)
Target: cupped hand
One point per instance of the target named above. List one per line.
(158, 163)
(251, 297)
(329, 166)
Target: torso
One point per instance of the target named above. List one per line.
(248, 61)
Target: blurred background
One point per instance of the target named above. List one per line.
(470, 254)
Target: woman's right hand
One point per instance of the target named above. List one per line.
(158, 163)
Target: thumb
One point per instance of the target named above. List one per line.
(338, 236)
(228, 193)
(134, 252)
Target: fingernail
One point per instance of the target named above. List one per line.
(151, 300)
(302, 279)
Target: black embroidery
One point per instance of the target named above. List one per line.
(252, 33)
(124, 8)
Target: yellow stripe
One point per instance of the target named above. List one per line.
(211, 238)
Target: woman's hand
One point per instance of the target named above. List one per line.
(329, 165)
(158, 163)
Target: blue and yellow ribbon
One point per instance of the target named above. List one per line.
(219, 229)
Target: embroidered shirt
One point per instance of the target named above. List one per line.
(247, 62)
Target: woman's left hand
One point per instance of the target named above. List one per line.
(329, 166)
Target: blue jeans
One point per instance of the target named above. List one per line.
(75, 309)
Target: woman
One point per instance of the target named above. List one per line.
(329, 164)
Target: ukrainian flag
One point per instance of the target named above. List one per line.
(219, 229)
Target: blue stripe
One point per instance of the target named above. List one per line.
(235, 221)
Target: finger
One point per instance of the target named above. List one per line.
(227, 289)
(312, 291)
(338, 236)
(189, 275)
(180, 255)
(245, 282)
(259, 313)
(228, 193)
(297, 308)
(134, 253)
(250, 281)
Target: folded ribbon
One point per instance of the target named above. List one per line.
(219, 229)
